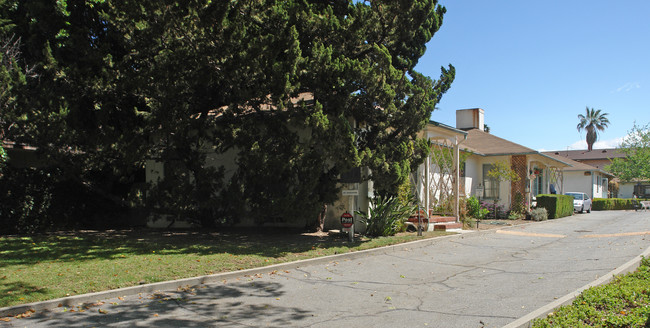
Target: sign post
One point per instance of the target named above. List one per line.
(347, 221)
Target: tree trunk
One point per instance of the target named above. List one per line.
(321, 219)
(591, 137)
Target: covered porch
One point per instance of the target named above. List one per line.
(437, 183)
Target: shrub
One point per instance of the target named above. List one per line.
(3, 158)
(539, 214)
(515, 215)
(605, 204)
(494, 211)
(557, 206)
(474, 209)
(386, 216)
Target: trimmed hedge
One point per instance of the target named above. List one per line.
(608, 204)
(557, 206)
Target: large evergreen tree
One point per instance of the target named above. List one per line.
(123, 81)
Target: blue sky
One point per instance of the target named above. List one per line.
(533, 66)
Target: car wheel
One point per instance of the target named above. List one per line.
(582, 210)
(589, 210)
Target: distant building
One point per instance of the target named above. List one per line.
(582, 177)
(597, 158)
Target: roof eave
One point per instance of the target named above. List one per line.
(447, 127)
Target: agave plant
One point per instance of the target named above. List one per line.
(386, 215)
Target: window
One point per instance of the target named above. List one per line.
(490, 185)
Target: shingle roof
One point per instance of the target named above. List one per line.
(490, 145)
(584, 154)
(485, 144)
(575, 165)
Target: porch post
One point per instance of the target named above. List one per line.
(427, 183)
(456, 178)
(547, 177)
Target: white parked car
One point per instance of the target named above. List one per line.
(581, 202)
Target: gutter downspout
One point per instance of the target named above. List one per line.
(592, 184)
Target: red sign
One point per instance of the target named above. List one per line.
(347, 220)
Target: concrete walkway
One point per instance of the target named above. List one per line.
(484, 279)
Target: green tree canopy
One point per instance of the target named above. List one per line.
(502, 171)
(120, 82)
(636, 164)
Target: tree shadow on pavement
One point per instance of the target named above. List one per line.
(201, 306)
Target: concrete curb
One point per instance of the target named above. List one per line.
(71, 301)
(527, 320)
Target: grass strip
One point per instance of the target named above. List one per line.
(625, 302)
(45, 267)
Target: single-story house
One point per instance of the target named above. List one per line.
(600, 158)
(457, 167)
(355, 194)
(584, 178)
(638, 187)
(538, 173)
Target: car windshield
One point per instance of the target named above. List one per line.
(575, 196)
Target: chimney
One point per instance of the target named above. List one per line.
(473, 118)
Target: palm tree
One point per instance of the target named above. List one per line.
(592, 121)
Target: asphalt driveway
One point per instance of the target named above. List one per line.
(481, 279)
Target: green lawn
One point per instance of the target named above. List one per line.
(625, 302)
(52, 266)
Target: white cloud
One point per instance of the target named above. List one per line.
(627, 87)
(600, 144)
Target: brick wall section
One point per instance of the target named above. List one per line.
(518, 164)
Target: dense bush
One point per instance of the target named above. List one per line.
(604, 204)
(3, 158)
(386, 216)
(36, 200)
(539, 214)
(557, 206)
(474, 208)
